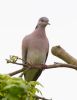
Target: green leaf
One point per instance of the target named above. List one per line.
(12, 88)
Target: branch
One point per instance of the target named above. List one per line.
(16, 72)
(57, 50)
(62, 54)
(42, 98)
(41, 66)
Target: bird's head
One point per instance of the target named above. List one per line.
(43, 22)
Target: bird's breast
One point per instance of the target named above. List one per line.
(36, 57)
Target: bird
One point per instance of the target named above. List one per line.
(35, 48)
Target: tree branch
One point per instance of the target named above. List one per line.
(41, 66)
(62, 54)
(42, 98)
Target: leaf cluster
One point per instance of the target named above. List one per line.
(12, 88)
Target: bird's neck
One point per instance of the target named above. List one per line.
(40, 31)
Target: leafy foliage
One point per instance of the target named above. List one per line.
(13, 59)
(17, 88)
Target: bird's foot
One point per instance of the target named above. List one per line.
(43, 66)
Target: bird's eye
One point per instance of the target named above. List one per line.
(42, 20)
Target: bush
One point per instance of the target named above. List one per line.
(12, 88)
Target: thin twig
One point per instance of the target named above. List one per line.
(21, 75)
(16, 72)
(42, 98)
(62, 65)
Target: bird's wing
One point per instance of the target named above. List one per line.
(24, 50)
(47, 52)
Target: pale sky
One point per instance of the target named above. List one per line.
(19, 18)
